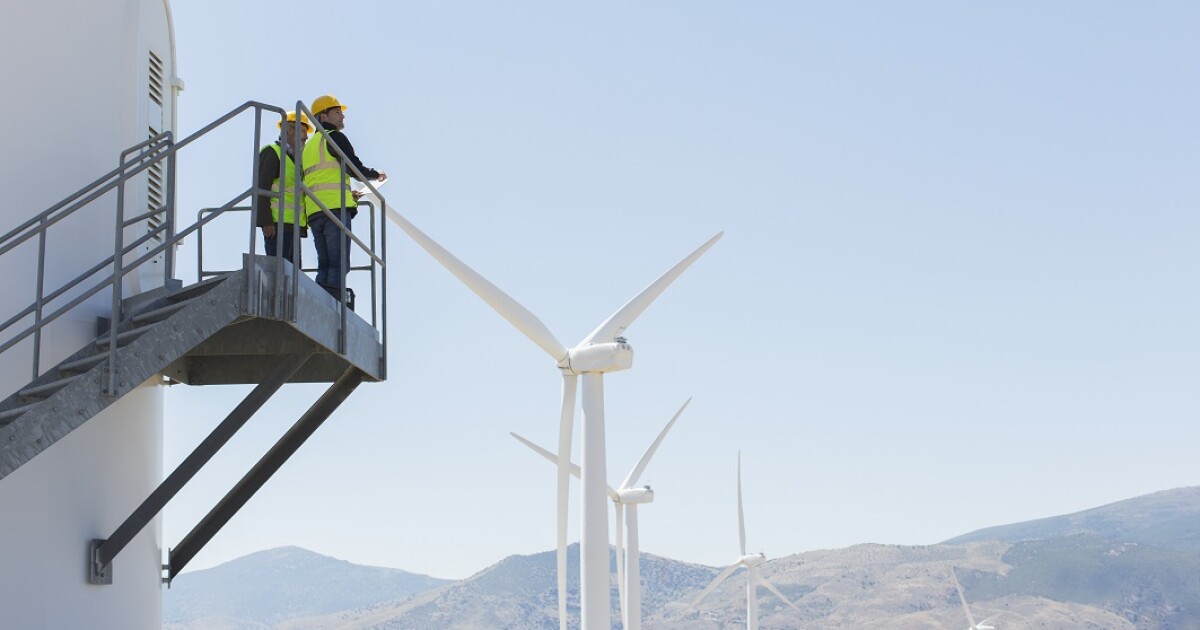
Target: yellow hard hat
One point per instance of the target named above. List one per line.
(291, 117)
(324, 102)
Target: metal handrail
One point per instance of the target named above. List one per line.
(202, 218)
(134, 161)
(5, 245)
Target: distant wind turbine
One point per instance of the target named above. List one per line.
(603, 350)
(982, 625)
(629, 582)
(751, 563)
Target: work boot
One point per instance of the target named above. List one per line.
(333, 292)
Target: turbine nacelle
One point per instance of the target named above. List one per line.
(752, 560)
(612, 356)
(633, 496)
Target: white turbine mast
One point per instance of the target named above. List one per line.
(982, 625)
(750, 562)
(601, 351)
(628, 494)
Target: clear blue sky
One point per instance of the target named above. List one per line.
(958, 286)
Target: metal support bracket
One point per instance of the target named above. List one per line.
(98, 573)
(101, 552)
(266, 467)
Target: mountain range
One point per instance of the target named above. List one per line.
(265, 588)
(1129, 565)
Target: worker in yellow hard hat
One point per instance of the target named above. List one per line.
(276, 169)
(323, 174)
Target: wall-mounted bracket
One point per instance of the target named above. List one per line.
(98, 573)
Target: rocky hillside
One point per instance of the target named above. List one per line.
(1169, 519)
(1130, 565)
(517, 593)
(266, 588)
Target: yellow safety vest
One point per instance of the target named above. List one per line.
(288, 167)
(322, 174)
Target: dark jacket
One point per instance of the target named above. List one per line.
(343, 143)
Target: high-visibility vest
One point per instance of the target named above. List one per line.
(288, 168)
(323, 175)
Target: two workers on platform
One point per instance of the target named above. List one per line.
(323, 174)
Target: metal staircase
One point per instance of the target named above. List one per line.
(265, 324)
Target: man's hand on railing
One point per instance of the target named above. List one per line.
(269, 231)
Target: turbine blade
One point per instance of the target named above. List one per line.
(620, 320)
(771, 587)
(519, 316)
(712, 586)
(566, 424)
(619, 511)
(641, 465)
(553, 459)
(961, 597)
(741, 518)
(550, 457)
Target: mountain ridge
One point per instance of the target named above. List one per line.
(1127, 565)
(1168, 519)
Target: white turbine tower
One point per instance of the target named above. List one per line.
(628, 581)
(982, 625)
(604, 350)
(751, 563)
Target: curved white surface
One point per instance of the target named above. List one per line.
(85, 97)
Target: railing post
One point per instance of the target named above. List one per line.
(383, 279)
(200, 246)
(297, 209)
(374, 320)
(277, 308)
(169, 254)
(37, 308)
(117, 281)
(343, 260)
(247, 292)
(301, 200)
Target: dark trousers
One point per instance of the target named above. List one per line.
(271, 242)
(333, 249)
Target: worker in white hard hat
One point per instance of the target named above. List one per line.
(277, 168)
(323, 175)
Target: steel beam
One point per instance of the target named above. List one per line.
(262, 471)
(102, 553)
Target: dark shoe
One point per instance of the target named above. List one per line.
(333, 292)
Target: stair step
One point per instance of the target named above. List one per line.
(160, 314)
(128, 335)
(8, 415)
(84, 364)
(197, 289)
(47, 389)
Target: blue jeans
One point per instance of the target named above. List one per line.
(333, 249)
(270, 242)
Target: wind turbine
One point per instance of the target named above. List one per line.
(629, 582)
(982, 625)
(751, 562)
(603, 350)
